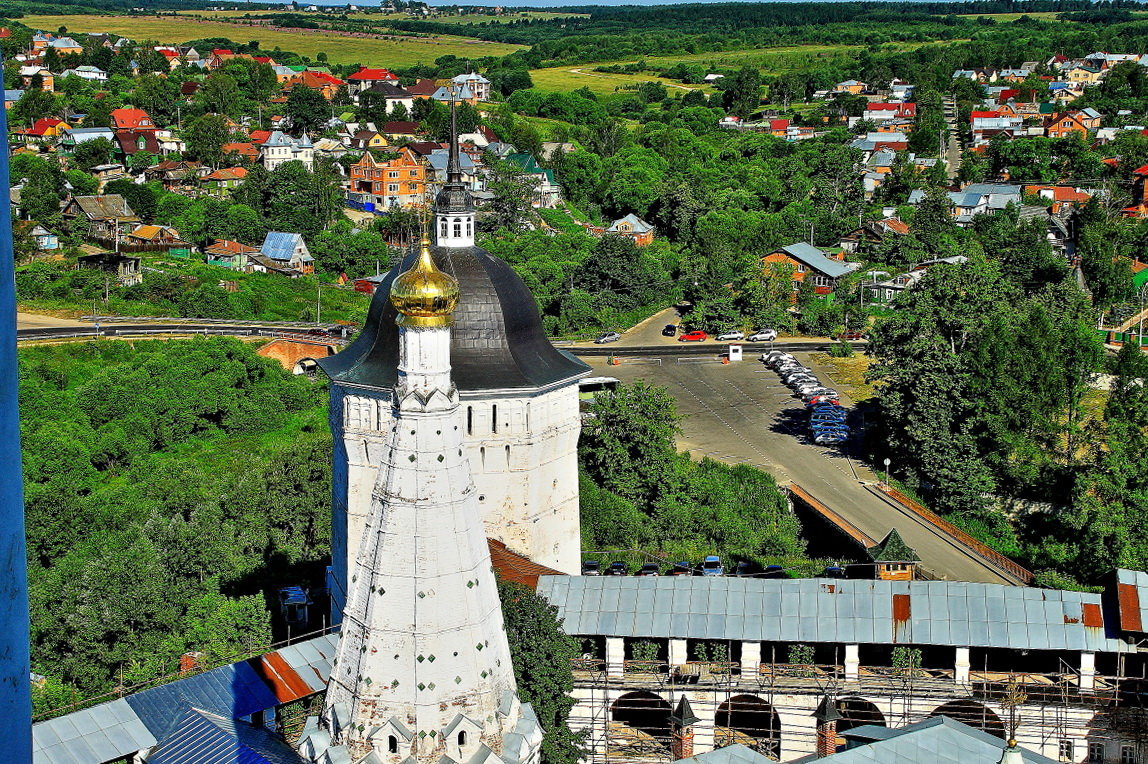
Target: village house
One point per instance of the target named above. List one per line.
(74, 136)
(478, 85)
(853, 87)
(89, 73)
(65, 46)
(106, 172)
(280, 148)
(824, 268)
(325, 84)
(287, 251)
(132, 119)
(884, 112)
(365, 78)
(634, 228)
(1081, 74)
(45, 130)
(158, 238)
(985, 125)
(885, 292)
(365, 140)
(222, 181)
(873, 234)
(229, 254)
(400, 131)
(977, 199)
(29, 73)
(131, 142)
(546, 191)
(176, 174)
(396, 182)
(11, 97)
(106, 218)
(125, 268)
(1060, 199)
(240, 150)
(455, 93)
(389, 94)
(424, 88)
(1078, 121)
(43, 239)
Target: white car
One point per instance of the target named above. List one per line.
(764, 335)
(730, 336)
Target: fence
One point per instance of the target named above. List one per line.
(991, 555)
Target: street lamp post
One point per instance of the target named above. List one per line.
(887, 462)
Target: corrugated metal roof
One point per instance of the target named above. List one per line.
(233, 691)
(730, 754)
(814, 610)
(939, 741)
(205, 738)
(281, 246)
(102, 733)
(816, 259)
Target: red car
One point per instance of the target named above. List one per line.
(850, 336)
(696, 336)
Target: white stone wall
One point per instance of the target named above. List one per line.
(525, 470)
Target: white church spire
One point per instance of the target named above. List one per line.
(423, 670)
(454, 206)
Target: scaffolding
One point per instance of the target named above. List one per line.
(1041, 710)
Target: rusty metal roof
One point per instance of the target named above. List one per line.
(833, 611)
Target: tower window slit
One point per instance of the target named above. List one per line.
(494, 418)
(461, 738)
(392, 744)
(470, 420)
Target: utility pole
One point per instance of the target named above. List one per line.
(318, 300)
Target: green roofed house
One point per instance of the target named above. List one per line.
(895, 560)
(546, 190)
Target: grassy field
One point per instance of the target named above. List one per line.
(563, 78)
(400, 51)
(469, 18)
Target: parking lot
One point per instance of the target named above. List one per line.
(742, 413)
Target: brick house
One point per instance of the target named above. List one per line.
(396, 182)
(825, 268)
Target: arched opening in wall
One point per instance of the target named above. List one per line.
(857, 712)
(641, 723)
(751, 721)
(306, 366)
(973, 714)
(392, 744)
(508, 457)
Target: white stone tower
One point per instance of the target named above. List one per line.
(518, 395)
(423, 670)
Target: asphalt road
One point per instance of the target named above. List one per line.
(742, 413)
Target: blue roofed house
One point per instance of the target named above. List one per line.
(284, 251)
(824, 267)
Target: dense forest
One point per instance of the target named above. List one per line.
(169, 487)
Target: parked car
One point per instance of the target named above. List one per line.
(774, 571)
(820, 399)
(763, 335)
(834, 571)
(591, 568)
(618, 568)
(822, 392)
(774, 357)
(711, 566)
(681, 568)
(695, 336)
(731, 336)
(850, 336)
(649, 569)
(745, 569)
(605, 337)
(669, 330)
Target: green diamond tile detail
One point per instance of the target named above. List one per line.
(422, 686)
(458, 680)
(430, 686)
(367, 681)
(411, 458)
(483, 674)
(422, 594)
(479, 646)
(430, 658)
(432, 733)
(441, 457)
(394, 683)
(420, 659)
(470, 584)
(422, 733)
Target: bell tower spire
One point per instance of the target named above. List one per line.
(454, 206)
(423, 674)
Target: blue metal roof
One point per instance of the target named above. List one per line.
(817, 260)
(281, 246)
(101, 733)
(730, 754)
(939, 740)
(952, 613)
(204, 738)
(232, 691)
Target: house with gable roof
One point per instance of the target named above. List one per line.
(285, 251)
(366, 78)
(280, 147)
(633, 227)
(824, 267)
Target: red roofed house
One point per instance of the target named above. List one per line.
(326, 84)
(220, 182)
(1139, 208)
(883, 112)
(259, 137)
(1078, 121)
(423, 89)
(132, 119)
(365, 78)
(1060, 198)
(778, 127)
(229, 254)
(45, 129)
(245, 150)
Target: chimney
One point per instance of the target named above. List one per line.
(189, 662)
(682, 722)
(826, 716)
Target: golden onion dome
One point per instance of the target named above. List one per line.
(423, 295)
